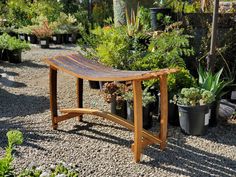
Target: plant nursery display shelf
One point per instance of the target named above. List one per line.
(82, 68)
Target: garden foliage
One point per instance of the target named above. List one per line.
(14, 137)
(11, 43)
(194, 96)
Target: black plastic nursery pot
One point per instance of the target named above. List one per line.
(94, 84)
(72, 38)
(12, 34)
(32, 39)
(57, 38)
(1, 54)
(14, 56)
(4, 55)
(194, 119)
(65, 38)
(173, 114)
(214, 109)
(23, 37)
(154, 11)
(44, 43)
(155, 106)
(119, 111)
(69, 38)
(147, 117)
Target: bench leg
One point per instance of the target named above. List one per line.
(53, 95)
(164, 111)
(79, 95)
(138, 120)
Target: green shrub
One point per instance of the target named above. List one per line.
(66, 23)
(18, 13)
(166, 50)
(101, 11)
(113, 48)
(48, 8)
(179, 80)
(14, 137)
(11, 43)
(145, 18)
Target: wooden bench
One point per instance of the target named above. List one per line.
(82, 68)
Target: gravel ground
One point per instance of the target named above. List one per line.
(98, 147)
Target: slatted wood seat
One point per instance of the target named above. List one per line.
(82, 68)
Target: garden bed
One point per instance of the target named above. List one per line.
(98, 147)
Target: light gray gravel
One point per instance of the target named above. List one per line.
(99, 147)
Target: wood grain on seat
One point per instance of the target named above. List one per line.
(77, 65)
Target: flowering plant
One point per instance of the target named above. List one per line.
(114, 91)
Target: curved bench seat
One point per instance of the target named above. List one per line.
(78, 66)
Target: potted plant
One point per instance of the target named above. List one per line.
(25, 33)
(32, 38)
(11, 48)
(15, 48)
(68, 27)
(177, 81)
(113, 94)
(147, 100)
(3, 46)
(43, 33)
(212, 82)
(57, 36)
(161, 8)
(193, 104)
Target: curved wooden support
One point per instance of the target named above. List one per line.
(145, 134)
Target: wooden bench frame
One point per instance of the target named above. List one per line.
(142, 137)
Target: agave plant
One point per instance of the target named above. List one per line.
(210, 81)
(133, 22)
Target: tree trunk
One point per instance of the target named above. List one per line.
(211, 58)
(119, 12)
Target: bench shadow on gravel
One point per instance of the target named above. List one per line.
(9, 73)
(221, 134)
(30, 64)
(9, 83)
(24, 63)
(178, 157)
(12, 105)
(183, 159)
(99, 135)
(31, 137)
